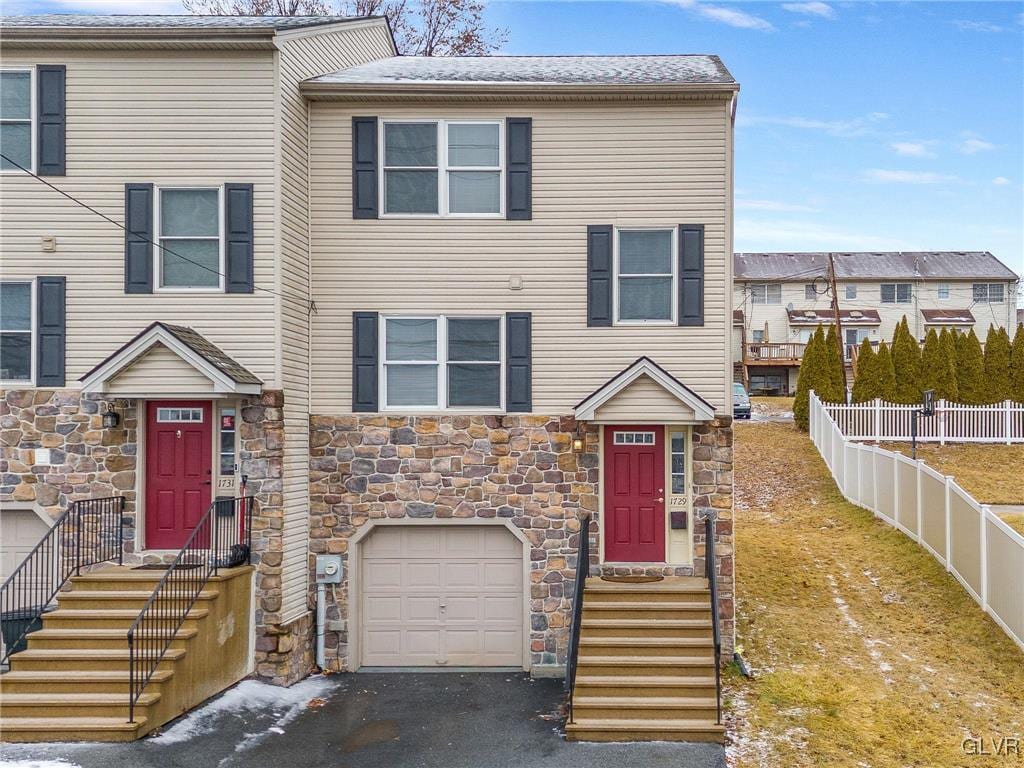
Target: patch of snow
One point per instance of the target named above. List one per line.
(31, 763)
(248, 696)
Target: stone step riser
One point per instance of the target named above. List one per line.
(618, 670)
(696, 611)
(119, 585)
(701, 691)
(625, 596)
(57, 709)
(76, 665)
(661, 712)
(633, 649)
(15, 735)
(68, 686)
(68, 620)
(86, 644)
(693, 633)
(585, 734)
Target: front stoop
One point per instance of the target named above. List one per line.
(646, 668)
(72, 682)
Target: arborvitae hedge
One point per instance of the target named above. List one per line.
(906, 362)
(886, 374)
(947, 342)
(833, 384)
(812, 376)
(997, 364)
(865, 385)
(970, 370)
(1017, 365)
(938, 371)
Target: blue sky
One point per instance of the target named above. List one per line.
(861, 125)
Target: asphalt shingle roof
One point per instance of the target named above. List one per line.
(908, 265)
(541, 70)
(213, 354)
(183, 21)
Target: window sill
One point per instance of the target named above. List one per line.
(642, 323)
(431, 216)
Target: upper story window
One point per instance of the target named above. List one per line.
(17, 332)
(897, 293)
(190, 233)
(443, 168)
(851, 291)
(809, 292)
(766, 293)
(757, 336)
(645, 276)
(989, 293)
(442, 362)
(17, 108)
(943, 290)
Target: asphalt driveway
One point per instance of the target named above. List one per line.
(426, 720)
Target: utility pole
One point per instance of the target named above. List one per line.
(835, 307)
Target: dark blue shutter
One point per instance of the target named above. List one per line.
(518, 174)
(365, 353)
(138, 247)
(518, 362)
(599, 275)
(51, 331)
(51, 114)
(691, 274)
(239, 238)
(364, 167)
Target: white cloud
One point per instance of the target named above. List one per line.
(857, 126)
(883, 176)
(782, 235)
(773, 205)
(911, 149)
(974, 146)
(730, 16)
(815, 8)
(977, 26)
(1001, 181)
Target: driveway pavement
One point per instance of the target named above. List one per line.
(420, 720)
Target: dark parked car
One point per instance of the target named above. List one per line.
(740, 402)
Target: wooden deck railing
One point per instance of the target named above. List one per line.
(773, 353)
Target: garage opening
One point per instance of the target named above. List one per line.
(20, 531)
(442, 596)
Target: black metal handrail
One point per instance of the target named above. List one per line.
(221, 539)
(87, 533)
(711, 573)
(582, 571)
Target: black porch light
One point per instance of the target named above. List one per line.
(111, 418)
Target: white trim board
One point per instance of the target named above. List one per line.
(587, 409)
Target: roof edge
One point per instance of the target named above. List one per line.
(341, 91)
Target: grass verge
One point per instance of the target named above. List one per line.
(992, 474)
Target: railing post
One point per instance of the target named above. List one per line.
(118, 531)
(215, 522)
(942, 421)
(78, 538)
(131, 675)
(1007, 421)
(985, 512)
(949, 531)
(878, 419)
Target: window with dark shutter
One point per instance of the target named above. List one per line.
(691, 274)
(138, 248)
(364, 168)
(51, 331)
(519, 173)
(518, 362)
(365, 354)
(238, 233)
(51, 111)
(599, 275)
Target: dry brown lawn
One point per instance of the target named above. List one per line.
(1015, 521)
(992, 474)
(866, 653)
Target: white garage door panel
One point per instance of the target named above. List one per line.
(20, 531)
(442, 596)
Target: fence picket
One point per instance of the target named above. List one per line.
(952, 422)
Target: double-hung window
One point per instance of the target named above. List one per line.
(989, 293)
(16, 332)
(943, 290)
(17, 107)
(646, 276)
(190, 229)
(851, 291)
(442, 168)
(442, 363)
(766, 293)
(897, 293)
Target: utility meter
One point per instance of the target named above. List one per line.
(328, 569)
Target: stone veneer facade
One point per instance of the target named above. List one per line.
(518, 467)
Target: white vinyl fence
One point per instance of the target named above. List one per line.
(952, 422)
(984, 553)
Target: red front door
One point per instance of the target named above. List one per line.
(634, 496)
(179, 464)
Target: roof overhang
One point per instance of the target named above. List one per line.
(948, 317)
(813, 318)
(586, 409)
(98, 378)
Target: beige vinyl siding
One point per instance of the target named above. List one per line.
(628, 164)
(172, 118)
(159, 372)
(301, 56)
(644, 402)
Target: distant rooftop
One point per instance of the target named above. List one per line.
(182, 21)
(881, 265)
(538, 70)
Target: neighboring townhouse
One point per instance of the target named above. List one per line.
(435, 315)
(779, 299)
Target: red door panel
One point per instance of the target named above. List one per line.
(179, 472)
(634, 506)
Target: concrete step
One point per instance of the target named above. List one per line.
(99, 618)
(18, 729)
(115, 599)
(654, 686)
(675, 609)
(647, 646)
(97, 681)
(697, 628)
(104, 639)
(673, 666)
(98, 705)
(620, 729)
(598, 591)
(33, 660)
(117, 579)
(644, 708)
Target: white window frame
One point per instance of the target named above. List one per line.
(896, 293)
(33, 324)
(755, 333)
(163, 416)
(851, 291)
(158, 265)
(32, 117)
(674, 262)
(443, 203)
(441, 361)
(768, 300)
(988, 293)
(942, 291)
(619, 437)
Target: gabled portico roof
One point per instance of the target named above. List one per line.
(586, 409)
(226, 375)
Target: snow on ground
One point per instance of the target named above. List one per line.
(37, 764)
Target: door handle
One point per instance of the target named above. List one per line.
(207, 482)
(660, 499)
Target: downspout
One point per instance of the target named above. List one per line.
(321, 623)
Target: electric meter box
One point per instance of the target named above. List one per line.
(328, 569)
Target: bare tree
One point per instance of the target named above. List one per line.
(421, 27)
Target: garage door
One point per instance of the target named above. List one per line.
(442, 596)
(20, 531)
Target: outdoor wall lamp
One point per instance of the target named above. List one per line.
(111, 418)
(577, 445)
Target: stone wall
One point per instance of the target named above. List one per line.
(521, 468)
